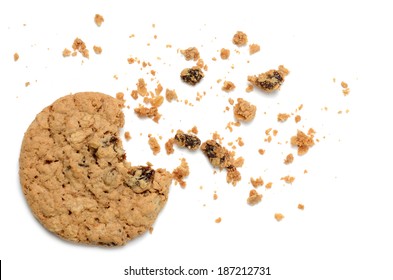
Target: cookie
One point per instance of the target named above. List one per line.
(75, 177)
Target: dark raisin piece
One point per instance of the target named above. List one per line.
(141, 178)
(192, 75)
(217, 155)
(187, 140)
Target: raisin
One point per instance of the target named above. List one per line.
(217, 155)
(141, 178)
(270, 80)
(187, 140)
(192, 75)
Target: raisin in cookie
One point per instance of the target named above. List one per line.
(75, 176)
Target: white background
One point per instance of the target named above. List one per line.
(345, 231)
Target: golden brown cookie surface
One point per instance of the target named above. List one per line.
(75, 177)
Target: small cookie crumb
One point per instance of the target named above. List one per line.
(261, 151)
(282, 117)
(254, 198)
(169, 146)
(298, 118)
(218, 220)
(181, 172)
(224, 53)
(189, 141)
(192, 76)
(233, 175)
(288, 179)
(97, 49)
(228, 86)
(278, 216)
(269, 185)
(170, 95)
(240, 39)
(270, 80)
(16, 56)
(300, 206)
(215, 196)
(98, 19)
(254, 48)
(289, 159)
(190, 53)
(127, 135)
(345, 87)
(154, 146)
(66, 52)
(244, 110)
(303, 142)
(256, 182)
(27, 84)
(152, 113)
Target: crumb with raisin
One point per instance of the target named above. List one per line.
(224, 53)
(181, 172)
(154, 146)
(289, 159)
(278, 216)
(218, 156)
(302, 141)
(98, 19)
(254, 198)
(189, 141)
(192, 76)
(244, 110)
(97, 49)
(228, 86)
(270, 80)
(254, 48)
(240, 39)
(256, 182)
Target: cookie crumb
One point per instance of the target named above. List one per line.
(240, 39)
(194, 130)
(244, 110)
(170, 95)
(345, 87)
(261, 151)
(192, 76)
(298, 118)
(249, 88)
(233, 175)
(218, 220)
(238, 162)
(80, 46)
(127, 135)
(218, 156)
(300, 206)
(169, 146)
(288, 179)
(98, 19)
(256, 182)
(254, 198)
(270, 80)
(269, 185)
(278, 216)
(282, 117)
(289, 159)
(225, 53)
(97, 49)
(66, 52)
(181, 172)
(303, 142)
(27, 84)
(154, 146)
(228, 86)
(215, 196)
(16, 56)
(254, 48)
(190, 54)
(189, 141)
(151, 113)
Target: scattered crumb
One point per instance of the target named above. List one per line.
(66, 52)
(192, 76)
(256, 182)
(181, 172)
(224, 53)
(151, 112)
(240, 39)
(289, 159)
(298, 118)
(190, 54)
(233, 175)
(218, 156)
(169, 146)
(240, 142)
(97, 49)
(303, 142)
(98, 19)
(278, 216)
(244, 110)
(16, 56)
(215, 196)
(249, 88)
(300, 206)
(261, 151)
(170, 95)
(254, 48)
(238, 162)
(254, 198)
(154, 146)
(80, 46)
(269, 185)
(218, 220)
(127, 135)
(288, 179)
(194, 130)
(228, 86)
(27, 84)
(189, 141)
(270, 80)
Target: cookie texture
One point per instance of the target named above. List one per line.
(75, 176)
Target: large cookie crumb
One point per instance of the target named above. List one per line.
(240, 39)
(270, 80)
(244, 110)
(303, 142)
